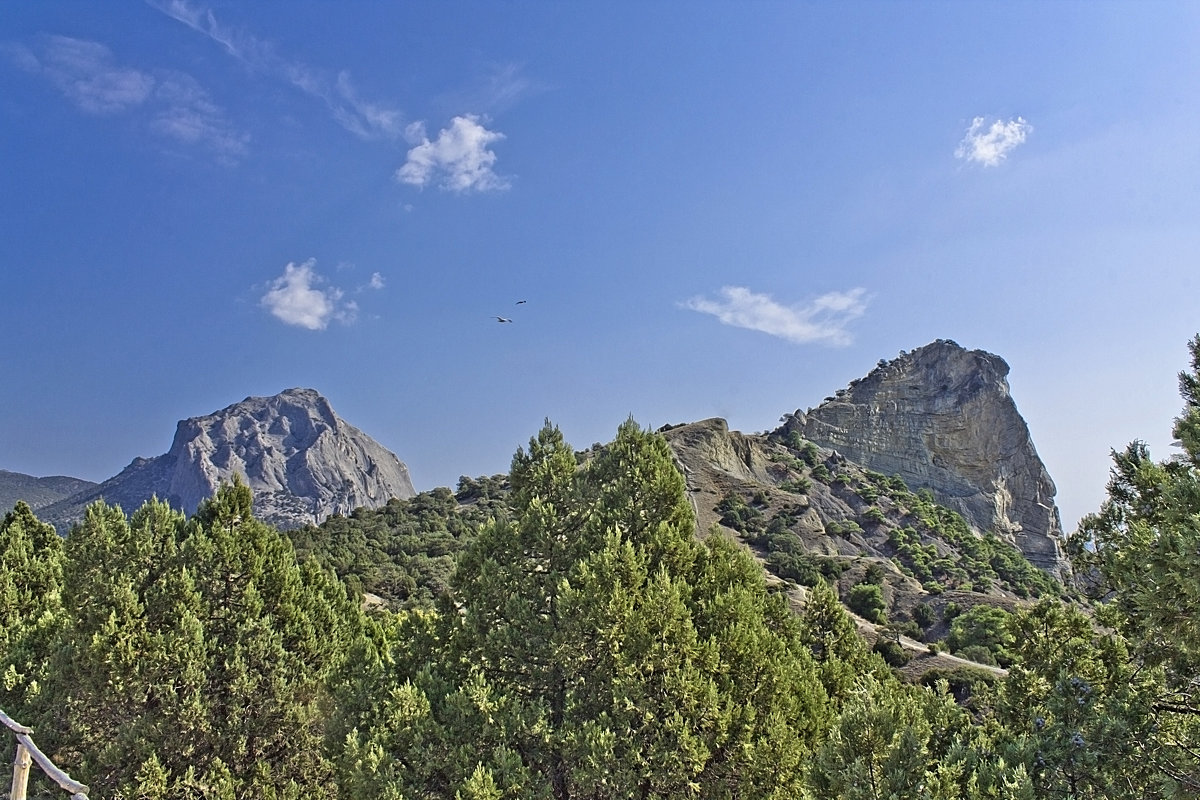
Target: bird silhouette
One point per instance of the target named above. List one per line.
(519, 302)
(503, 319)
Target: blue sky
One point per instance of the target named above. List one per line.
(711, 209)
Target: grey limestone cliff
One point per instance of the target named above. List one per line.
(941, 417)
(300, 459)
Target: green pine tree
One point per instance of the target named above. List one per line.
(592, 648)
(197, 655)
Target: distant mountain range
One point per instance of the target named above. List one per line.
(938, 419)
(38, 492)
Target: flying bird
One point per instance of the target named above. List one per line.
(519, 302)
(503, 319)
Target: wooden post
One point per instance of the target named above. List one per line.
(21, 764)
(27, 753)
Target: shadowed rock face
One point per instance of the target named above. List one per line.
(300, 459)
(941, 418)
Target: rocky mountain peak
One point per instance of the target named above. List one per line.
(941, 417)
(300, 459)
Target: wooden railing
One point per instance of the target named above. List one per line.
(27, 754)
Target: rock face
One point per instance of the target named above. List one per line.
(941, 418)
(300, 459)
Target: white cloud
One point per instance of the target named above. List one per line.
(824, 319)
(990, 147)
(295, 299)
(87, 74)
(376, 281)
(364, 119)
(458, 160)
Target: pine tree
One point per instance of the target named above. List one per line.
(31, 613)
(593, 649)
(196, 656)
(31, 564)
(1140, 557)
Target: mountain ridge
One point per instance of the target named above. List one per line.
(940, 419)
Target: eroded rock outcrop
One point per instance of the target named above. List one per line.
(300, 459)
(941, 417)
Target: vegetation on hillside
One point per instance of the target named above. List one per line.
(405, 551)
(567, 636)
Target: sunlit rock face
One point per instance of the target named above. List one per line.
(302, 462)
(941, 417)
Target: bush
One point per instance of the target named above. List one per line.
(977, 653)
(985, 628)
(963, 682)
(796, 485)
(798, 567)
(922, 614)
(907, 628)
(809, 454)
(866, 600)
(892, 651)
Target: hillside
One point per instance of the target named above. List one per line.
(38, 492)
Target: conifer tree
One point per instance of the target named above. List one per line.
(1140, 557)
(595, 649)
(31, 613)
(196, 656)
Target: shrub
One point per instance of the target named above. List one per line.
(796, 485)
(874, 514)
(866, 600)
(892, 651)
(963, 682)
(977, 653)
(983, 627)
(922, 614)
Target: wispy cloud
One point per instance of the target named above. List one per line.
(991, 146)
(822, 320)
(499, 87)
(297, 298)
(363, 118)
(458, 159)
(86, 73)
(89, 76)
(188, 115)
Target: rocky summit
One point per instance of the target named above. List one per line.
(301, 460)
(941, 418)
